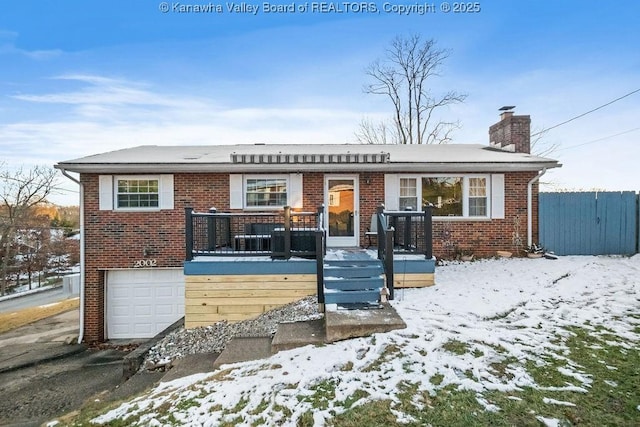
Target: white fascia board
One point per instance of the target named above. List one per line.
(143, 168)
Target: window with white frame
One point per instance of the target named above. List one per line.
(464, 196)
(265, 192)
(137, 193)
(478, 196)
(408, 194)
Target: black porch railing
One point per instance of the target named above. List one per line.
(281, 234)
(413, 231)
(385, 247)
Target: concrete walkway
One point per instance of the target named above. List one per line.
(40, 342)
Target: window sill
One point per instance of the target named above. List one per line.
(461, 219)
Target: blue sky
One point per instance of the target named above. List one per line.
(79, 78)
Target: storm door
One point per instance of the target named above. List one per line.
(341, 199)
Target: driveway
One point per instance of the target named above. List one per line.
(41, 377)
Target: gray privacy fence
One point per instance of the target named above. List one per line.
(589, 223)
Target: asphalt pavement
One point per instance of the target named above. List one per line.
(18, 302)
(44, 374)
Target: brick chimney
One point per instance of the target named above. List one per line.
(511, 133)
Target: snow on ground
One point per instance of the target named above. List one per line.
(495, 309)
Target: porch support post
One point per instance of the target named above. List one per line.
(320, 264)
(428, 231)
(381, 230)
(287, 232)
(188, 233)
(388, 260)
(211, 230)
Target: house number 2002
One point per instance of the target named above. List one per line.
(145, 263)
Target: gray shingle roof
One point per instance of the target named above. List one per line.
(218, 158)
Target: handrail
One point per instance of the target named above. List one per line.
(414, 231)
(279, 234)
(385, 248)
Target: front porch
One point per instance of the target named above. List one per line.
(239, 265)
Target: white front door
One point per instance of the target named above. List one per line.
(341, 218)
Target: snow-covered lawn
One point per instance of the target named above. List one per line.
(481, 328)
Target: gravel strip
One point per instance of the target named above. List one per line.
(214, 338)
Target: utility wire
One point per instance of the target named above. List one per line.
(588, 112)
(599, 139)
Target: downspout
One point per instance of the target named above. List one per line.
(81, 329)
(529, 206)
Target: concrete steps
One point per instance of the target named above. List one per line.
(337, 325)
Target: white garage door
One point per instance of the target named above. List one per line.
(143, 302)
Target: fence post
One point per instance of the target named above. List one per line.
(428, 231)
(287, 232)
(188, 233)
(211, 230)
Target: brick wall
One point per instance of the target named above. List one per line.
(485, 237)
(117, 239)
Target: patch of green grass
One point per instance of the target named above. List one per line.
(456, 347)
(388, 353)
(357, 395)
(305, 420)
(262, 406)
(183, 405)
(283, 410)
(436, 379)
(323, 393)
(611, 398)
(259, 422)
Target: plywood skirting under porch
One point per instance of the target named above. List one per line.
(212, 298)
(413, 280)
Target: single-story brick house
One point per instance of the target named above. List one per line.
(133, 214)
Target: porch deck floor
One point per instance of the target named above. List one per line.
(350, 254)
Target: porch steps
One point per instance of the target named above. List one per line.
(352, 281)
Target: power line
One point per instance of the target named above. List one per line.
(599, 139)
(588, 112)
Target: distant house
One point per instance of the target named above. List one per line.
(133, 205)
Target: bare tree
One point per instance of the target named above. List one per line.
(404, 76)
(20, 192)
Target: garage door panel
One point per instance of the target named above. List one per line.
(165, 291)
(143, 302)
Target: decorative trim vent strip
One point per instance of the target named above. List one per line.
(381, 157)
